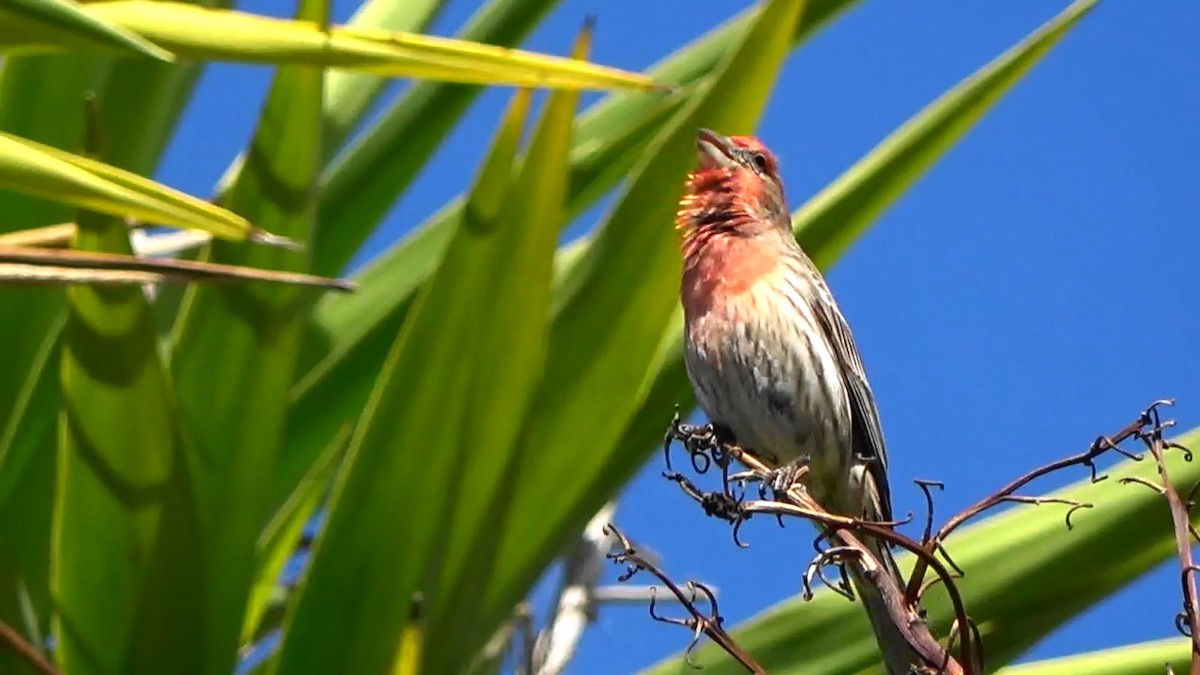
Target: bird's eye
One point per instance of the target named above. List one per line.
(760, 161)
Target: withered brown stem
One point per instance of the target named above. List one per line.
(904, 614)
(705, 448)
(9, 636)
(1151, 434)
(795, 502)
(701, 623)
(1100, 446)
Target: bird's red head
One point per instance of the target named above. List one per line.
(735, 190)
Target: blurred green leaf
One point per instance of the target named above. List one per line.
(218, 34)
(359, 186)
(1147, 658)
(42, 98)
(125, 532)
(279, 539)
(69, 23)
(236, 346)
(385, 518)
(508, 368)
(27, 476)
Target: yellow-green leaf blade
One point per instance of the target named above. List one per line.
(196, 32)
(235, 348)
(507, 374)
(47, 172)
(125, 529)
(384, 525)
(66, 20)
(1147, 658)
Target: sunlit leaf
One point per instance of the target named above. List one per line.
(1148, 658)
(507, 374)
(47, 172)
(383, 534)
(197, 32)
(73, 23)
(125, 532)
(235, 347)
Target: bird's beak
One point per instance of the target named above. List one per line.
(714, 150)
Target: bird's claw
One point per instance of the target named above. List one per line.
(704, 443)
(782, 479)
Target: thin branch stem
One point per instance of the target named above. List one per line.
(708, 624)
(14, 640)
(1181, 520)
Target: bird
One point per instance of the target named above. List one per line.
(770, 356)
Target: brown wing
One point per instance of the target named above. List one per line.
(866, 430)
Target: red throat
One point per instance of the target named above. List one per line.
(724, 251)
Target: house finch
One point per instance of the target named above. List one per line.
(770, 356)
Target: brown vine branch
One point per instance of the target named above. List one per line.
(1151, 434)
(706, 447)
(705, 450)
(906, 616)
(700, 623)
(1006, 494)
(15, 641)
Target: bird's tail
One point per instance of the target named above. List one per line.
(898, 656)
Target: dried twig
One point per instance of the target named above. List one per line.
(513, 638)
(1100, 446)
(700, 622)
(795, 501)
(706, 447)
(1187, 621)
(15, 641)
(1006, 494)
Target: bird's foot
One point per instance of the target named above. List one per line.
(786, 477)
(704, 443)
(745, 478)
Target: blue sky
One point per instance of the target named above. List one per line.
(1032, 291)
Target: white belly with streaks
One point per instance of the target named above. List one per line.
(771, 398)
